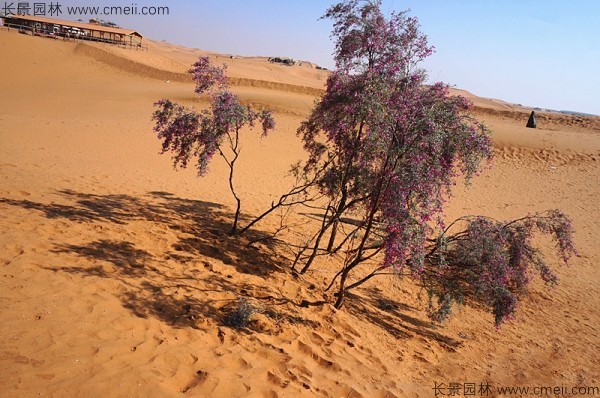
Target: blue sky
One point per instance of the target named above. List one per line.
(543, 53)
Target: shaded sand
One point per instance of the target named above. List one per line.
(116, 272)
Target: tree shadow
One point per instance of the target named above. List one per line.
(123, 255)
(182, 296)
(203, 227)
(391, 316)
(344, 220)
(178, 295)
(85, 207)
(205, 232)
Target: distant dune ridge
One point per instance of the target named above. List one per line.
(117, 275)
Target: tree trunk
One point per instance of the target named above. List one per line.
(334, 228)
(236, 216)
(342, 291)
(237, 199)
(315, 250)
(340, 300)
(343, 278)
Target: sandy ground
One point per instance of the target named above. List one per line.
(116, 271)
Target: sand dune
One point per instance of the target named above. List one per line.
(157, 66)
(116, 272)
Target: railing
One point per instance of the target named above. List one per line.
(26, 29)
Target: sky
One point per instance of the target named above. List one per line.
(539, 53)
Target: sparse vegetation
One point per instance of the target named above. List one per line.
(384, 150)
(239, 317)
(284, 61)
(491, 262)
(190, 134)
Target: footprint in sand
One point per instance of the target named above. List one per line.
(199, 377)
(276, 380)
(323, 362)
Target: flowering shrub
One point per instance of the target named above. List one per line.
(189, 134)
(388, 148)
(393, 145)
(492, 262)
(384, 149)
(207, 76)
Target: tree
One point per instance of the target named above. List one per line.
(390, 147)
(393, 144)
(384, 149)
(190, 134)
(491, 262)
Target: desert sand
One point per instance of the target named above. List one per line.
(116, 271)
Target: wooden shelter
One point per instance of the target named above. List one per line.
(71, 29)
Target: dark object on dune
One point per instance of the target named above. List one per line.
(531, 122)
(285, 61)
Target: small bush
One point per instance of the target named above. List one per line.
(189, 134)
(239, 318)
(386, 305)
(492, 262)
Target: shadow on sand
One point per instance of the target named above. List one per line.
(182, 285)
(393, 317)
